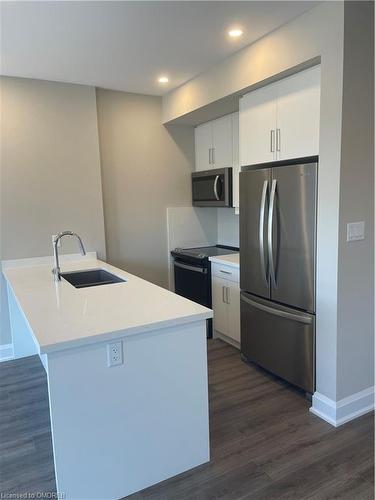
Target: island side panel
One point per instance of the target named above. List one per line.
(23, 340)
(117, 430)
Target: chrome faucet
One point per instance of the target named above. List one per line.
(56, 269)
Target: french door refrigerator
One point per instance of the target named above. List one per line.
(277, 268)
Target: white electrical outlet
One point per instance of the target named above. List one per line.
(54, 236)
(114, 354)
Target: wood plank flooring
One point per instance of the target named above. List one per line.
(264, 442)
(26, 459)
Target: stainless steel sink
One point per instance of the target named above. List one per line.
(92, 277)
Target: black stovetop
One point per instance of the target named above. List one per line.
(204, 252)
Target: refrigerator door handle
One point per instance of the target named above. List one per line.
(300, 318)
(270, 233)
(261, 230)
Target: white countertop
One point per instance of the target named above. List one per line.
(232, 260)
(62, 316)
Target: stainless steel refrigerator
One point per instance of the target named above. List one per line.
(277, 268)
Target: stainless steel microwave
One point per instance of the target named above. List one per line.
(212, 188)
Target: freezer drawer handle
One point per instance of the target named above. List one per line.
(191, 268)
(261, 230)
(307, 320)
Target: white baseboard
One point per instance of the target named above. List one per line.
(228, 340)
(339, 412)
(6, 352)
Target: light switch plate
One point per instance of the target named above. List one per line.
(355, 231)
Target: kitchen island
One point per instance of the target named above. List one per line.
(121, 428)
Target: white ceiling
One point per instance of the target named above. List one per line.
(127, 45)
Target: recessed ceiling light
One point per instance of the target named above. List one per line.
(235, 33)
(163, 79)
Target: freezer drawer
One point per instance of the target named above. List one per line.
(279, 339)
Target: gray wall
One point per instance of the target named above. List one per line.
(356, 259)
(50, 170)
(145, 169)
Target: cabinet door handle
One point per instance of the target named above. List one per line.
(213, 155)
(272, 145)
(225, 272)
(227, 294)
(209, 156)
(223, 293)
(278, 139)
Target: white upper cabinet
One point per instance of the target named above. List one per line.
(203, 146)
(217, 146)
(298, 113)
(214, 144)
(222, 142)
(257, 126)
(281, 121)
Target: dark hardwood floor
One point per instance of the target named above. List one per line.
(26, 460)
(264, 442)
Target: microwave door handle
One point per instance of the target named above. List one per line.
(215, 187)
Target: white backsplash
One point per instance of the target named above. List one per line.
(228, 227)
(190, 227)
(196, 227)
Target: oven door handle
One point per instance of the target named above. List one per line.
(191, 268)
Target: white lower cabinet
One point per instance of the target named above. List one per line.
(234, 326)
(226, 303)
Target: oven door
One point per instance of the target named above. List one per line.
(212, 188)
(192, 281)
